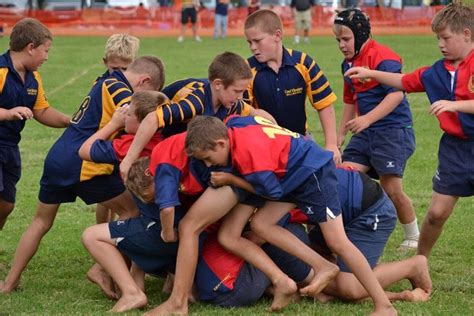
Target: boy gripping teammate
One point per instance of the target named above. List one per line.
(219, 96)
(450, 89)
(282, 78)
(281, 165)
(66, 176)
(383, 137)
(21, 98)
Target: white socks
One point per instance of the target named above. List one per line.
(411, 230)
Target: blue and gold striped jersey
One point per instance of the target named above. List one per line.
(283, 94)
(188, 98)
(63, 166)
(14, 92)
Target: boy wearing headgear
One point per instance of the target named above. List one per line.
(378, 116)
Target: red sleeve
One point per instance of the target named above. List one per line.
(412, 82)
(121, 145)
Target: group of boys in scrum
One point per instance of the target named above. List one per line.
(226, 165)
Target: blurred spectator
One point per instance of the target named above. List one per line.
(164, 3)
(302, 15)
(253, 6)
(220, 19)
(189, 13)
(352, 3)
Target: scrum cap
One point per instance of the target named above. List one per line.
(359, 24)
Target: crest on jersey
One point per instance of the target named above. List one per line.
(470, 85)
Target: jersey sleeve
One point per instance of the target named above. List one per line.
(412, 81)
(102, 151)
(266, 184)
(317, 86)
(41, 101)
(167, 185)
(182, 110)
(119, 92)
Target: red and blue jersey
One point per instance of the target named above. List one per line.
(106, 151)
(63, 166)
(14, 92)
(283, 94)
(175, 172)
(191, 97)
(273, 159)
(442, 81)
(366, 94)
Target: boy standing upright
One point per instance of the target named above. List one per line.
(378, 116)
(22, 97)
(449, 85)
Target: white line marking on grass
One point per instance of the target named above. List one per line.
(72, 80)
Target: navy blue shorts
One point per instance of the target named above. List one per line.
(386, 151)
(188, 14)
(455, 174)
(96, 190)
(10, 172)
(369, 231)
(317, 197)
(140, 240)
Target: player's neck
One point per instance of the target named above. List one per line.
(275, 63)
(18, 59)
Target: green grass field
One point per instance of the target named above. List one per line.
(55, 283)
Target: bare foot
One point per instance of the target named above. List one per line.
(128, 302)
(168, 308)
(323, 298)
(98, 276)
(417, 295)
(421, 278)
(5, 289)
(321, 280)
(284, 292)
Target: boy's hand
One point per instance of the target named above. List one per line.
(357, 73)
(169, 236)
(358, 124)
(340, 141)
(219, 178)
(336, 153)
(20, 113)
(441, 106)
(118, 119)
(125, 168)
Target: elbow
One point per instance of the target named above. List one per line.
(84, 152)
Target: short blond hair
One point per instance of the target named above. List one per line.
(265, 20)
(229, 67)
(26, 31)
(140, 181)
(147, 101)
(122, 46)
(455, 15)
(203, 133)
(152, 66)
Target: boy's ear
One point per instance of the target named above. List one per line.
(29, 48)
(217, 84)
(279, 35)
(104, 60)
(221, 143)
(148, 172)
(467, 34)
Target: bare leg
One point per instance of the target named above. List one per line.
(123, 205)
(211, 206)
(5, 209)
(230, 237)
(29, 243)
(102, 214)
(102, 248)
(264, 225)
(139, 276)
(99, 276)
(416, 295)
(440, 209)
(168, 285)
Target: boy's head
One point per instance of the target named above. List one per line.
(143, 102)
(352, 30)
(230, 76)
(31, 37)
(207, 140)
(264, 33)
(140, 181)
(454, 27)
(146, 73)
(120, 51)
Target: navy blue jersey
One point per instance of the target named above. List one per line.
(283, 94)
(63, 166)
(13, 93)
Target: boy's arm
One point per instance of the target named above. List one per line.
(262, 113)
(328, 122)
(388, 104)
(16, 113)
(387, 78)
(117, 122)
(51, 117)
(440, 106)
(168, 233)
(347, 115)
(225, 178)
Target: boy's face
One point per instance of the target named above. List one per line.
(227, 96)
(264, 46)
(454, 46)
(219, 156)
(345, 38)
(116, 63)
(38, 55)
(131, 120)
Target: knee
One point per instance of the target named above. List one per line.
(225, 240)
(437, 216)
(257, 226)
(87, 237)
(348, 292)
